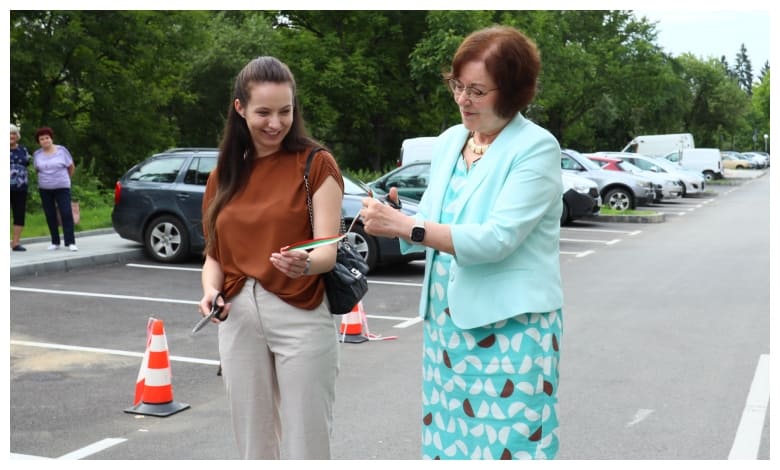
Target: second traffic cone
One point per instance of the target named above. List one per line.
(154, 393)
(351, 330)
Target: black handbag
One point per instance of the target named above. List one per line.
(346, 283)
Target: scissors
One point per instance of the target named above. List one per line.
(216, 309)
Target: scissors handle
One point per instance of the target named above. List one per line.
(215, 311)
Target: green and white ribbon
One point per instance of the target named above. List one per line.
(313, 243)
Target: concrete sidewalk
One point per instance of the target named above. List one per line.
(96, 247)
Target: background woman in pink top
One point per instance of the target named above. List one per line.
(55, 168)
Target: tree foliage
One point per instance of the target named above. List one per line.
(117, 86)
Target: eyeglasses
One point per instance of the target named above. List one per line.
(472, 93)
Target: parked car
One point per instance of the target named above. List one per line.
(659, 144)
(758, 160)
(705, 160)
(416, 149)
(730, 162)
(158, 204)
(691, 182)
(411, 180)
(581, 197)
(619, 190)
(665, 186)
(735, 158)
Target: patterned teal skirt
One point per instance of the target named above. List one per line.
(489, 392)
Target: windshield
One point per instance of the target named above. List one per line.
(628, 166)
(354, 187)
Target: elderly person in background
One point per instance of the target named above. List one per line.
(20, 160)
(55, 168)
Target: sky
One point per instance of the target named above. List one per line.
(714, 33)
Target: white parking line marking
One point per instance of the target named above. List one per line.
(188, 302)
(92, 449)
(408, 323)
(175, 268)
(748, 437)
(640, 416)
(628, 232)
(394, 283)
(151, 266)
(113, 352)
(580, 240)
(108, 296)
(578, 254)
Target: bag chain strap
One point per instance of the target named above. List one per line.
(308, 193)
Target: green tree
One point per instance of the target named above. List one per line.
(718, 105)
(103, 80)
(744, 70)
(231, 39)
(353, 74)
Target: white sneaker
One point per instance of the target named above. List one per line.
(53, 247)
(73, 247)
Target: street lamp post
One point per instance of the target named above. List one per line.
(766, 146)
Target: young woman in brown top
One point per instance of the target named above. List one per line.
(278, 343)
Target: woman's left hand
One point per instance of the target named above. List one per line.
(291, 263)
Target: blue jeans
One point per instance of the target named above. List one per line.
(53, 200)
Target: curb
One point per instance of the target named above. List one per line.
(84, 233)
(635, 219)
(59, 266)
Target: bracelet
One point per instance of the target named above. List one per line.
(308, 266)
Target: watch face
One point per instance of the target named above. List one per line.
(418, 233)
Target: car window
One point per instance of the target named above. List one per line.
(158, 170)
(199, 170)
(628, 166)
(568, 163)
(353, 187)
(413, 176)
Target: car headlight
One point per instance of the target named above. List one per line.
(581, 188)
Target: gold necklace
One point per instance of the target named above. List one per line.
(477, 149)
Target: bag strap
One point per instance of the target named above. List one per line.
(309, 159)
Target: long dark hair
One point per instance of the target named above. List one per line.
(236, 151)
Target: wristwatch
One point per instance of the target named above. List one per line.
(418, 232)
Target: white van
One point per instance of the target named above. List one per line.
(660, 144)
(416, 149)
(705, 161)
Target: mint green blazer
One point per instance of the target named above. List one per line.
(506, 229)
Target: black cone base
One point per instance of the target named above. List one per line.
(163, 410)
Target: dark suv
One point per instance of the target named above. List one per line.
(158, 203)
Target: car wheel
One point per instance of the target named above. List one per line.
(709, 176)
(166, 239)
(684, 190)
(565, 214)
(618, 199)
(365, 244)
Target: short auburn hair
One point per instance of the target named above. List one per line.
(512, 60)
(44, 131)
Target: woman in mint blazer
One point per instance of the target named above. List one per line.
(492, 298)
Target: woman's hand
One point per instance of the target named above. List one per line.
(205, 305)
(294, 263)
(383, 220)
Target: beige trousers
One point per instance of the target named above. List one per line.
(279, 366)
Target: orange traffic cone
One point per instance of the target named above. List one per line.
(352, 326)
(153, 390)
